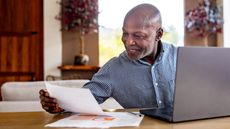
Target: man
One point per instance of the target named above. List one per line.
(143, 75)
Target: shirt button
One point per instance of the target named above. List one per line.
(159, 101)
(156, 84)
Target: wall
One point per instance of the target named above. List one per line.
(70, 47)
(52, 39)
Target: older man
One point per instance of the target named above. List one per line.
(143, 75)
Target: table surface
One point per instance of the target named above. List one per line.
(37, 120)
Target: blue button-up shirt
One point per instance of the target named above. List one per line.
(137, 84)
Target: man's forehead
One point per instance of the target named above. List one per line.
(134, 25)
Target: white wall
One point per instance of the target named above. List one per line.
(52, 38)
(226, 23)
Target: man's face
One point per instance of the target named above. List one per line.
(139, 40)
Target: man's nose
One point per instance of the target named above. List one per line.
(130, 40)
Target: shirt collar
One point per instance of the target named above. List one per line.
(159, 58)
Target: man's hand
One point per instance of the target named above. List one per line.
(48, 103)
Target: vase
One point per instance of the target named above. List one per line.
(81, 59)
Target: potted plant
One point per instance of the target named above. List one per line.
(82, 16)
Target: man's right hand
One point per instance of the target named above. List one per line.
(48, 103)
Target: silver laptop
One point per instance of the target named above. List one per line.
(202, 85)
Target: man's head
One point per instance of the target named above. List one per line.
(142, 31)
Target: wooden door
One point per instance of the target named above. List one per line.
(21, 40)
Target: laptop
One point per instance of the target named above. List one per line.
(202, 85)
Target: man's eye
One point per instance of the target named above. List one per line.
(124, 34)
(136, 36)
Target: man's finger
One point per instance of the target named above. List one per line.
(44, 92)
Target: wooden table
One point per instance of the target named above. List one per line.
(37, 120)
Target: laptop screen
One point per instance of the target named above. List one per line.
(202, 83)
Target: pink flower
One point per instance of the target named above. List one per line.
(79, 15)
(204, 19)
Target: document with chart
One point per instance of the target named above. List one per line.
(111, 119)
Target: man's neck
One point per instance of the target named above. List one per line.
(153, 56)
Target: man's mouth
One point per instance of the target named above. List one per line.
(133, 49)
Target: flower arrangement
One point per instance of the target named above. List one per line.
(79, 15)
(82, 16)
(204, 19)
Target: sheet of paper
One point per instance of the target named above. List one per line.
(72, 99)
(112, 119)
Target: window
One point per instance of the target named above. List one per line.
(112, 13)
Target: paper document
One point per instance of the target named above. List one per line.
(77, 100)
(112, 119)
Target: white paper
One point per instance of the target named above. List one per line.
(77, 100)
(112, 119)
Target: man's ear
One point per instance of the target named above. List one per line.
(159, 34)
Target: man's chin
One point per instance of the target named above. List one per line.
(133, 57)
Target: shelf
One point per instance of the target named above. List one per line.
(79, 67)
(78, 71)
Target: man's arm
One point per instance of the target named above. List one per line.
(100, 84)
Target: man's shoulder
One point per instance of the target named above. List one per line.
(115, 61)
(168, 45)
(122, 57)
(169, 48)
